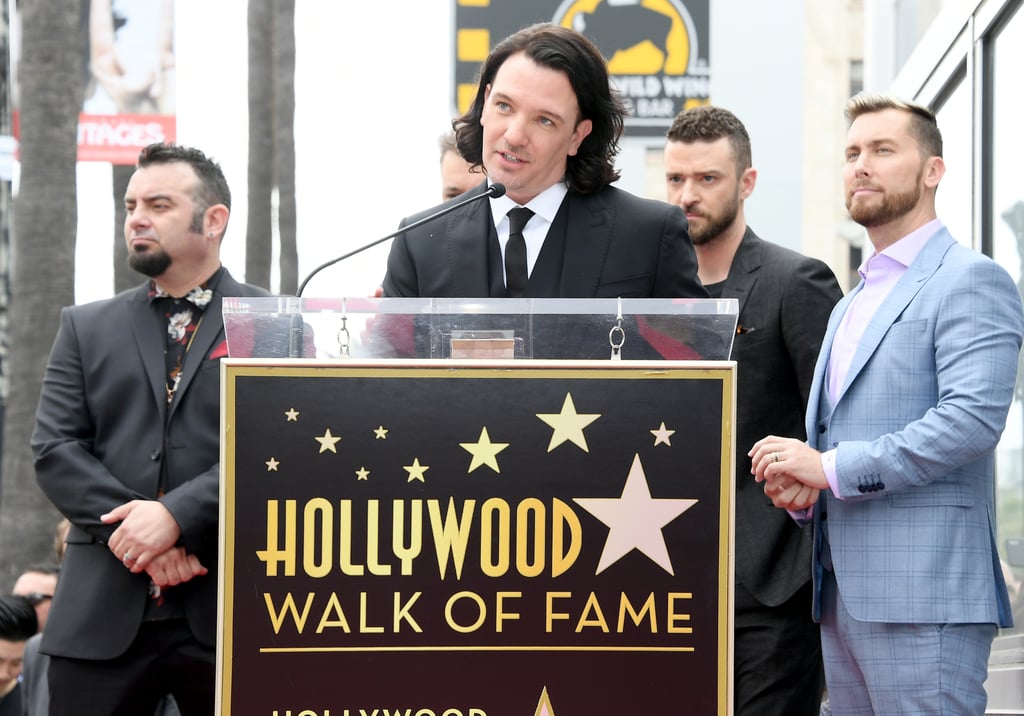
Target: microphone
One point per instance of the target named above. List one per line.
(493, 192)
(296, 330)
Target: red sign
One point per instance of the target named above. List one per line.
(118, 138)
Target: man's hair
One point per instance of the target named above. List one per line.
(40, 568)
(567, 51)
(212, 187)
(446, 143)
(923, 125)
(709, 124)
(17, 619)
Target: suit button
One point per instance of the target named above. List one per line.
(822, 429)
(155, 455)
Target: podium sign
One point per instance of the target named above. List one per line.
(467, 538)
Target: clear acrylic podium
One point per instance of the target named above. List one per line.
(487, 328)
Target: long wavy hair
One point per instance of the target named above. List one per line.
(569, 52)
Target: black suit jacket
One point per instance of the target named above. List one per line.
(785, 300)
(100, 440)
(615, 245)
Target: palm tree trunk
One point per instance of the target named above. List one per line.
(42, 281)
(258, 240)
(124, 277)
(271, 143)
(284, 141)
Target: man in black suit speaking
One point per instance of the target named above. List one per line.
(546, 124)
(126, 446)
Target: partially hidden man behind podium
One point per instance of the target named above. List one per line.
(546, 123)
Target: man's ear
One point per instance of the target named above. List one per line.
(215, 220)
(935, 169)
(748, 180)
(582, 131)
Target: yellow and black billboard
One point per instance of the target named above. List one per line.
(657, 50)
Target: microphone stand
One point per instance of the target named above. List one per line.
(295, 331)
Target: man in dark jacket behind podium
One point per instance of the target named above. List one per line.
(545, 123)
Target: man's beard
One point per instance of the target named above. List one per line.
(892, 207)
(715, 225)
(151, 263)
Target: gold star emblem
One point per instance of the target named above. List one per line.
(568, 425)
(484, 452)
(381, 432)
(362, 474)
(272, 465)
(662, 435)
(416, 470)
(293, 415)
(327, 442)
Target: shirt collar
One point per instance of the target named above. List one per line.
(200, 296)
(907, 248)
(544, 205)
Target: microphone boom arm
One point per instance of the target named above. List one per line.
(493, 191)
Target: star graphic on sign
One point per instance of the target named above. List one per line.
(568, 425)
(293, 415)
(327, 442)
(635, 520)
(381, 432)
(544, 707)
(272, 465)
(484, 452)
(416, 470)
(362, 474)
(662, 435)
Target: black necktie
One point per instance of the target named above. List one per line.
(516, 273)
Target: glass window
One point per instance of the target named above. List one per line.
(1008, 250)
(954, 197)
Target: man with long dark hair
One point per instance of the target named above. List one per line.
(546, 123)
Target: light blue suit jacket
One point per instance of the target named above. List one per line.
(915, 428)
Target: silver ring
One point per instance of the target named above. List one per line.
(775, 457)
(127, 558)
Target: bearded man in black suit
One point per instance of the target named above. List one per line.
(785, 300)
(126, 446)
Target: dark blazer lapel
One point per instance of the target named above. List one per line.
(917, 275)
(468, 232)
(589, 232)
(744, 270)
(149, 340)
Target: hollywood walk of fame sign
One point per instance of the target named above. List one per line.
(453, 538)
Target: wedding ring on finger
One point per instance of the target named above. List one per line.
(775, 457)
(127, 559)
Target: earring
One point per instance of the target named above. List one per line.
(210, 235)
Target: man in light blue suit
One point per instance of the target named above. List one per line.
(909, 398)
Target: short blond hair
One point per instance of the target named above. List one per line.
(923, 125)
